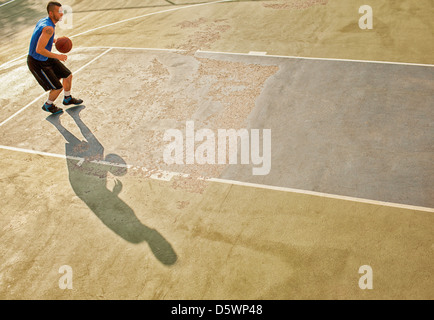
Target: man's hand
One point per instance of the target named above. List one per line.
(62, 57)
(117, 188)
(46, 35)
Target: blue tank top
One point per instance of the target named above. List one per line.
(46, 22)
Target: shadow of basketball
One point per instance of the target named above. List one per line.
(88, 168)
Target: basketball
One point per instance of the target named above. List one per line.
(64, 44)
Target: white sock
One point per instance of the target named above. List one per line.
(49, 101)
(67, 93)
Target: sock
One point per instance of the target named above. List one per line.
(49, 102)
(67, 94)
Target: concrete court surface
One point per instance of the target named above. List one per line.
(344, 128)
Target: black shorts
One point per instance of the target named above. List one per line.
(48, 73)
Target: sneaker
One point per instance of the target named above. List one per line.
(71, 100)
(52, 108)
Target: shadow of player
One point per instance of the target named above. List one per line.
(88, 178)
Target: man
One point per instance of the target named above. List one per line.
(45, 65)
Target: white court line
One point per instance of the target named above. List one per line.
(322, 194)
(261, 54)
(228, 53)
(126, 20)
(312, 58)
(1, 5)
(60, 156)
(147, 15)
(13, 60)
(22, 109)
(257, 53)
(129, 48)
(233, 53)
(28, 105)
(167, 176)
(93, 60)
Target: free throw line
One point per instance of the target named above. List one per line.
(260, 54)
(231, 182)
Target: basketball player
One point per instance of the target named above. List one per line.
(45, 65)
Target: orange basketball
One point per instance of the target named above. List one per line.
(64, 44)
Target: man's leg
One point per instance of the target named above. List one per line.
(48, 80)
(54, 94)
(67, 85)
(49, 105)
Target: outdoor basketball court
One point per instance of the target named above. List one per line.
(351, 172)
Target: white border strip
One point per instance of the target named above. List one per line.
(312, 58)
(167, 176)
(28, 105)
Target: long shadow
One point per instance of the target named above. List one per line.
(88, 178)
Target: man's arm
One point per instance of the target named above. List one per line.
(46, 34)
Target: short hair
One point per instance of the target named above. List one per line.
(51, 5)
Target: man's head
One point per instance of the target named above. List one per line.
(54, 10)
